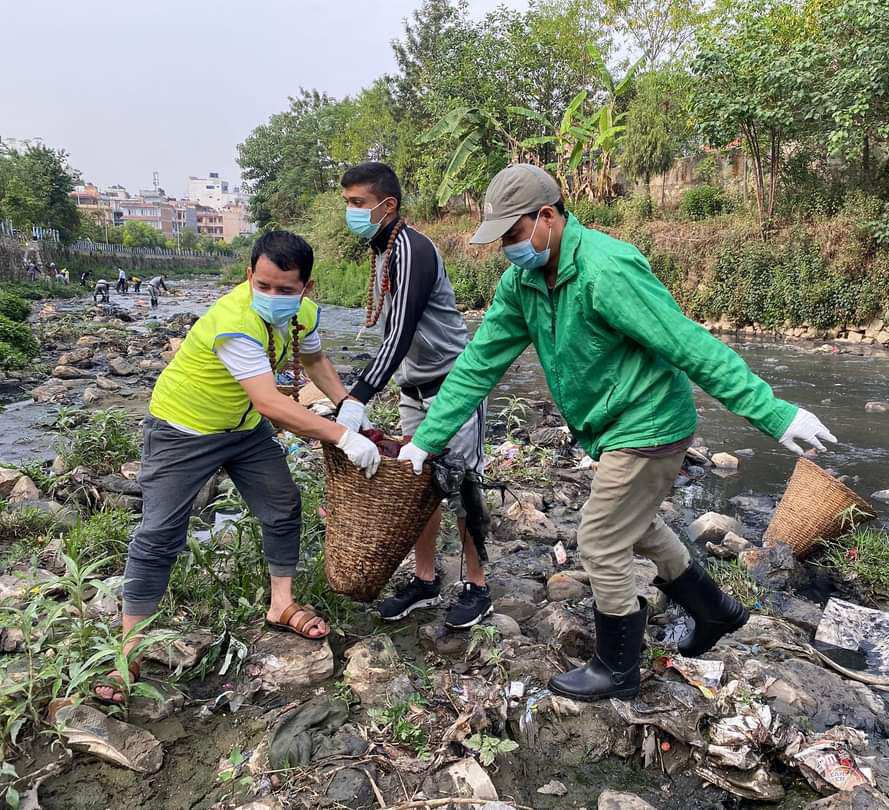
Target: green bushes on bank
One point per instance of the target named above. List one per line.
(701, 202)
(13, 306)
(343, 284)
(18, 346)
(774, 285)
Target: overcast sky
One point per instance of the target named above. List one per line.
(128, 88)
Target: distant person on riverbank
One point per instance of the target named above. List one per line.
(33, 271)
(83, 277)
(423, 334)
(65, 276)
(137, 283)
(101, 292)
(158, 282)
(618, 354)
(213, 407)
(121, 281)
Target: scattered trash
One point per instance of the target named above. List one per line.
(828, 763)
(857, 628)
(560, 554)
(704, 674)
(553, 788)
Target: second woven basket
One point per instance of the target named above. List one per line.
(813, 509)
(373, 523)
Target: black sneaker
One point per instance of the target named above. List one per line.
(472, 606)
(417, 594)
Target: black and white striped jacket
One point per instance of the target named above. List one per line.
(423, 332)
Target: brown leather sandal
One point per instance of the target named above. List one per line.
(309, 614)
(114, 681)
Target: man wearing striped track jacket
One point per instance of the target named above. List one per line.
(423, 334)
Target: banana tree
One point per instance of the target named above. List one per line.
(608, 119)
(568, 141)
(481, 140)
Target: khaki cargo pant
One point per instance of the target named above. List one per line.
(620, 519)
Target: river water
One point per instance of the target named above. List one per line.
(835, 386)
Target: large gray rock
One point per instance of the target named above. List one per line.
(563, 587)
(371, 668)
(773, 566)
(121, 367)
(516, 608)
(24, 490)
(877, 407)
(8, 479)
(286, 661)
(881, 495)
(69, 373)
(439, 639)
(575, 635)
(464, 779)
(815, 696)
(81, 356)
(713, 527)
(183, 651)
(614, 800)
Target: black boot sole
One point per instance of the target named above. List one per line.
(621, 694)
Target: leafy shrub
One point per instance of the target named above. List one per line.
(18, 346)
(343, 283)
(101, 440)
(326, 231)
(701, 202)
(13, 306)
(635, 209)
(475, 281)
(589, 212)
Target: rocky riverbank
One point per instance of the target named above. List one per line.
(411, 715)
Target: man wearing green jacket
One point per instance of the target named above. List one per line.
(617, 353)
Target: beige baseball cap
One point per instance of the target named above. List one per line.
(519, 189)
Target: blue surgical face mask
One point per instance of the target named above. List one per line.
(523, 254)
(276, 310)
(358, 221)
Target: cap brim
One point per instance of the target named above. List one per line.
(492, 229)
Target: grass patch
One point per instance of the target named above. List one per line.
(402, 724)
(101, 536)
(861, 557)
(732, 577)
(101, 440)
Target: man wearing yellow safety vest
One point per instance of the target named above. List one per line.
(618, 354)
(211, 408)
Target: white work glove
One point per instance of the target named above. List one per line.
(808, 428)
(410, 452)
(351, 415)
(360, 451)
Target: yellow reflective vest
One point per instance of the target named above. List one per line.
(196, 390)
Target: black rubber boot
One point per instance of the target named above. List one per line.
(715, 613)
(613, 671)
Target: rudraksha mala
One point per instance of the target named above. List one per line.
(295, 328)
(373, 312)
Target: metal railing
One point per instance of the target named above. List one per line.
(41, 234)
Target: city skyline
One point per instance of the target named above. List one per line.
(192, 94)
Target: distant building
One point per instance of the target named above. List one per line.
(209, 222)
(213, 192)
(186, 217)
(236, 221)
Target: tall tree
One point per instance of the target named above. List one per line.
(754, 82)
(287, 161)
(35, 189)
(657, 125)
(658, 30)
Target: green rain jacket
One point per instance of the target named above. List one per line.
(616, 350)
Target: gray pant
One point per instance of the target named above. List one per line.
(175, 465)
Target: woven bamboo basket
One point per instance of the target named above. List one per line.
(373, 523)
(812, 509)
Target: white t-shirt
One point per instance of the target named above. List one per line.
(245, 358)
